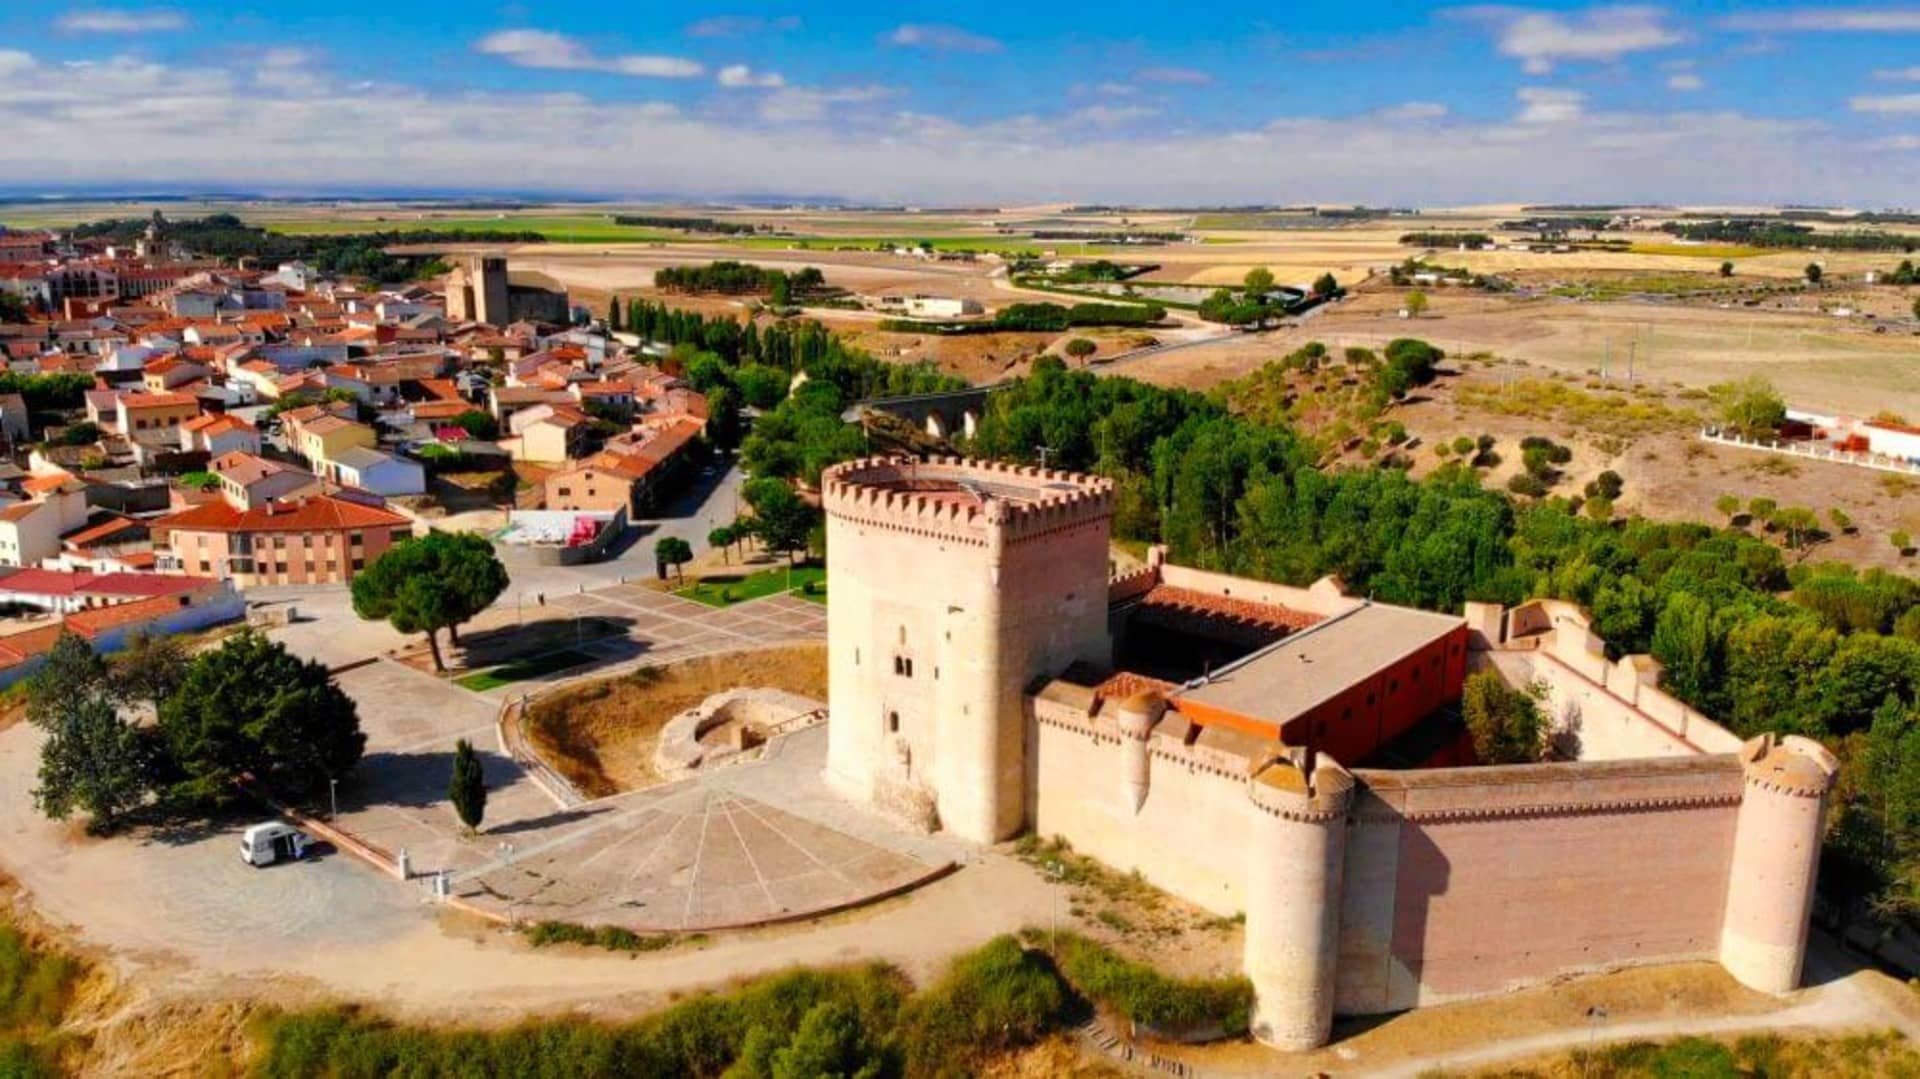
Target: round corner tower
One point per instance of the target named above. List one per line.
(1776, 856)
(955, 585)
(1293, 898)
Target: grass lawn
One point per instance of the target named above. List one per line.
(522, 669)
(713, 591)
(998, 244)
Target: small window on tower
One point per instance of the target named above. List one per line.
(893, 723)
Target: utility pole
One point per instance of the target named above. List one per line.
(1043, 451)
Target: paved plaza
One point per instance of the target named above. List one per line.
(756, 841)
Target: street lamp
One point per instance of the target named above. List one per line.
(333, 798)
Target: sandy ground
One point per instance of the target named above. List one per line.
(1669, 473)
(601, 735)
(1815, 361)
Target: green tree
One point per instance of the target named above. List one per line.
(12, 308)
(780, 519)
(150, 668)
(721, 539)
(1750, 405)
(673, 551)
(93, 761)
(1258, 282)
(1506, 724)
(430, 583)
(1761, 509)
(479, 425)
(613, 312)
(1814, 273)
(1901, 541)
(1798, 522)
(1726, 269)
(1728, 506)
(467, 788)
(72, 671)
(1080, 348)
(250, 707)
(1325, 285)
(1416, 303)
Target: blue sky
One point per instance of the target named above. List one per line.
(988, 102)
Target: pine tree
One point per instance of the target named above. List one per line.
(613, 313)
(468, 788)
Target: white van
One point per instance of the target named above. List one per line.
(274, 841)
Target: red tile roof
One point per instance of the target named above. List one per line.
(1193, 604)
(315, 513)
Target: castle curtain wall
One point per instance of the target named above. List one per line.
(1462, 882)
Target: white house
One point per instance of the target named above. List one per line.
(375, 472)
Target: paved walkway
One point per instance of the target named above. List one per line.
(742, 844)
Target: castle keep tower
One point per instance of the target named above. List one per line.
(1776, 855)
(955, 585)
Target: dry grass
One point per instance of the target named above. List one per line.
(601, 735)
(1604, 412)
(1056, 1056)
(1640, 993)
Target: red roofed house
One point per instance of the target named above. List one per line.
(161, 412)
(218, 433)
(628, 473)
(315, 539)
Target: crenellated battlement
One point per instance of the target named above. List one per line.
(964, 498)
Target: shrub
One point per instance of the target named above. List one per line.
(611, 937)
(1506, 724)
(1527, 484)
(996, 998)
(1146, 996)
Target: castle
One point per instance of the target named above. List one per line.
(1274, 751)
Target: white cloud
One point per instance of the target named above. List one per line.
(106, 21)
(13, 61)
(741, 25)
(800, 105)
(740, 76)
(1834, 20)
(942, 38)
(1110, 116)
(1549, 105)
(81, 123)
(1174, 76)
(1413, 110)
(1901, 74)
(1115, 89)
(1888, 103)
(1539, 39)
(544, 49)
(1685, 82)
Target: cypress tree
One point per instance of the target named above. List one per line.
(468, 788)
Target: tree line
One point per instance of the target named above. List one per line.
(689, 224)
(1772, 232)
(357, 254)
(741, 279)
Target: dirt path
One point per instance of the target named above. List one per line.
(1843, 1007)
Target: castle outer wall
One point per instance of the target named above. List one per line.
(962, 593)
